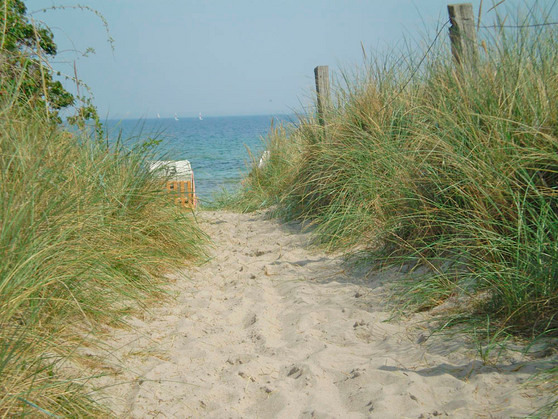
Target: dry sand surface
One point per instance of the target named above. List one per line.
(272, 328)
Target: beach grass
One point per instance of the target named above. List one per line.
(439, 166)
(86, 236)
(445, 169)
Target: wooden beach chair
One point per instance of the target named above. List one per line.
(180, 183)
(184, 192)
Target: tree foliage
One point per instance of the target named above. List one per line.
(26, 48)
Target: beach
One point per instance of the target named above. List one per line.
(279, 210)
(272, 327)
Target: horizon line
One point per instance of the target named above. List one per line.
(197, 116)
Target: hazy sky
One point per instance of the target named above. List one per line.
(226, 57)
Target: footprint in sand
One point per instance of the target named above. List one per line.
(303, 338)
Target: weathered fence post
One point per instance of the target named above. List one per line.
(321, 73)
(463, 34)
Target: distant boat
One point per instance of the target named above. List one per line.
(158, 116)
(175, 117)
(200, 117)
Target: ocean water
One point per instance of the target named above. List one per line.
(217, 147)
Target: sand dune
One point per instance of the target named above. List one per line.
(269, 328)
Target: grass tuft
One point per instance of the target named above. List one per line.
(86, 234)
(454, 170)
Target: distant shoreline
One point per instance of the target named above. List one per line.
(287, 116)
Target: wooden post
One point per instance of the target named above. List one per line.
(463, 34)
(321, 73)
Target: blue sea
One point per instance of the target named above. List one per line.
(217, 147)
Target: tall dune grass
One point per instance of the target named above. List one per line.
(439, 167)
(85, 235)
(453, 169)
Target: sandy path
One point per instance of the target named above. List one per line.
(269, 328)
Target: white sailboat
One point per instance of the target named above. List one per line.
(158, 116)
(176, 117)
(200, 117)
